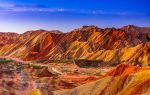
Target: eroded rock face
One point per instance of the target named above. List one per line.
(8, 38)
(123, 80)
(111, 46)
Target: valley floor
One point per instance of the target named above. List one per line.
(20, 77)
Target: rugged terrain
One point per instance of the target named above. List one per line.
(8, 38)
(21, 77)
(86, 61)
(125, 79)
(110, 45)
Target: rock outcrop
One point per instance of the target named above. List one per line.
(123, 80)
(110, 45)
(8, 38)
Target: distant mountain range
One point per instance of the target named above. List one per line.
(110, 45)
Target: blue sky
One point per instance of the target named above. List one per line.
(65, 15)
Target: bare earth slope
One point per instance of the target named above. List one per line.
(8, 38)
(123, 80)
(128, 45)
(110, 45)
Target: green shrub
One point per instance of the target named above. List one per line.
(2, 61)
(98, 74)
(34, 66)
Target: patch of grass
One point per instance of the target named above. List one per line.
(66, 70)
(40, 61)
(98, 74)
(34, 66)
(61, 61)
(87, 73)
(3, 61)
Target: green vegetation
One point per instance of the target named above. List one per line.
(98, 74)
(34, 66)
(88, 63)
(66, 70)
(60, 61)
(40, 61)
(87, 73)
(3, 61)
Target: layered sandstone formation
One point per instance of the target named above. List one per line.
(123, 80)
(8, 38)
(110, 45)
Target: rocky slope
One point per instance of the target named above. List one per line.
(123, 80)
(110, 45)
(8, 38)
